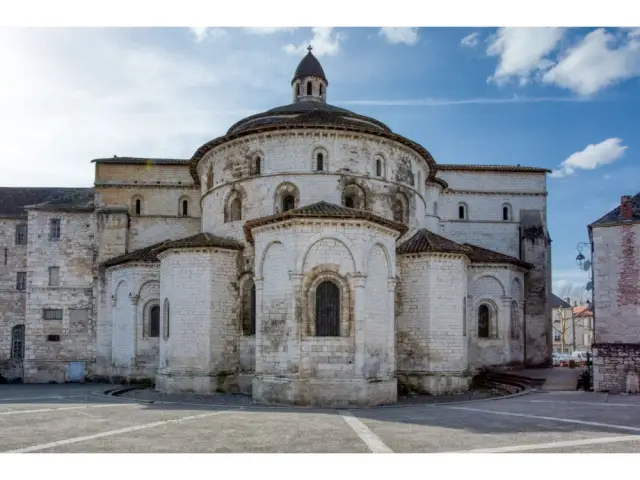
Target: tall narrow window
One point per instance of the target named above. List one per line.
(297, 89)
(320, 89)
(505, 212)
(54, 229)
(515, 332)
(462, 214)
(319, 162)
(6, 254)
(327, 310)
(398, 210)
(21, 234)
(17, 342)
(54, 276)
(378, 168)
(483, 321)
(288, 203)
(309, 87)
(154, 321)
(256, 166)
(210, 178)
(236, 210)
(464, 317)
(138, 206)
(185, 208)
(21, 281)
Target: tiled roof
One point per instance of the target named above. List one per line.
(13, 200)
(309, 66)
(492, 168)
(150, 253)
(582, 311)
(614, 216)
(425, 241)
(484, 255)
(322, 210)
(142, 160)
(557, 302)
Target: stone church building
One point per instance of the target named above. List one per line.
(310, 255)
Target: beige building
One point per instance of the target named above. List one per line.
(572, 326)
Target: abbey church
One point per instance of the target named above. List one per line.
(308, 256)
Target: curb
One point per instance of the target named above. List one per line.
(114, 393)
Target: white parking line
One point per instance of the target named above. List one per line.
(39, 410)
(601, 404)
(550, 445)
(375, 444)
(55, 397)
(554, 419)
(45, 446)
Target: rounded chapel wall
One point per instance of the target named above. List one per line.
(348, 159)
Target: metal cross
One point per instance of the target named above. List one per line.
(309, 48)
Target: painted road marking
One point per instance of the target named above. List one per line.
(544, 446)
(17, 412)
(375, 444)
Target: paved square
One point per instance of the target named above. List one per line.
(72, 418)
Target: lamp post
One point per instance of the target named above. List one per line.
(586, 264)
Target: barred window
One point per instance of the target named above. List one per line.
(54, 229)
(17, 341)
(154, 321)
(327, 310)
(483, 321)
(53, 338)
(21, 281)
(21, 234)
(52, 314)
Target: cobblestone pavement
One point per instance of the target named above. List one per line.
(70, 418)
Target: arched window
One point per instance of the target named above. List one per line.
(309, 87)
(398, 210)
(462, 212)
(137, 206)
(165, 329)
(515, 330)
(256, 165)
(483, 321)
(17, 342)
(348, 202)
(288, 203)
(435, 208)
(320, 89)
(236, 210)
(297, 89)
(327, 310)
(184, 208)
(378, 167)
(319, 162)
(506, 212)
(154, 321)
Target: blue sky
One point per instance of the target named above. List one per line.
(536, 97)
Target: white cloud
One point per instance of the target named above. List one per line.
(78, 94)
(395, 35)
(445, 102)
(522, 52)
(592, 157)
(598, 61)
(269, 30)
(202, 33)
(471, 40)
(325, 41)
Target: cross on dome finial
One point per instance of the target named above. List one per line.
(309, 48)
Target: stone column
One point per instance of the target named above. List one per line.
(259, 283)
(358, 323)
(294, 342)
(391, 311)
(135, 299)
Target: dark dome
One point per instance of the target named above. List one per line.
(310, 113)
(309, 66)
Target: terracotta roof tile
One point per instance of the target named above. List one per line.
(150, 253)
(614, 216)
(425, 241)
(483, 255)
(492, 168)
(582, 311)
(322, 210)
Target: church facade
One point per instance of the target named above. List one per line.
(308, 256)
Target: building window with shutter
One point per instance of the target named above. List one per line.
(17, 342)
(21, 281)
(54, 229)
(21, 234)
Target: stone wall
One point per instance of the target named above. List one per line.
(616, 267)
(13, 259)
(52, 344)
(616, 367)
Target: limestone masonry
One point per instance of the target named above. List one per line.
(308, 256)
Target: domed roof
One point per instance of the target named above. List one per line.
(309, 66)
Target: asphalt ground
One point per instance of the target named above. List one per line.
(72, 418)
